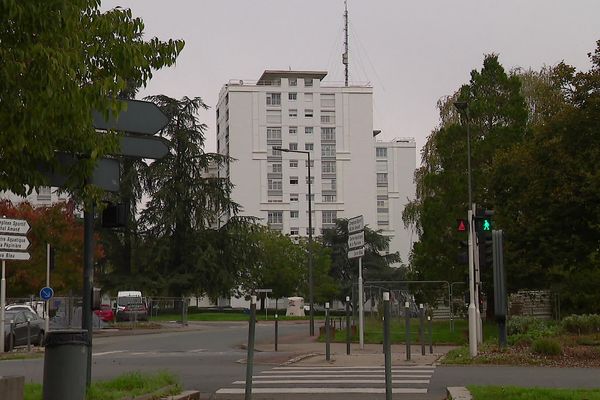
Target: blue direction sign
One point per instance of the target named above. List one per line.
(46, 293)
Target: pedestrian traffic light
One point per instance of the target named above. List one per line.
(483, 220)
(115, 215)
(486, 249)
(463, 253)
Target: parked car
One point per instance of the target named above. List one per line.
(18, 319)
(105, 313)
(131, 306)
(20, 307)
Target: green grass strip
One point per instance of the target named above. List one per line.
(519, 393)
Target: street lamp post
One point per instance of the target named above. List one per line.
(463, 106)
(310, 255)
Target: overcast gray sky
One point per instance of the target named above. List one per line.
(412, 52)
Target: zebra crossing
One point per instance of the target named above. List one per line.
(335, 380)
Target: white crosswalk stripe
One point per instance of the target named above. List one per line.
(335, 380)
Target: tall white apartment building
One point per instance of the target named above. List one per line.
(296, 110)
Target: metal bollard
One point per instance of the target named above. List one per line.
(348, 325)
(28, 334)
(387, 347)
(250, 357)
(421, 328)
(276, 331)
(407, 327)
(327, 344)
(430, 335)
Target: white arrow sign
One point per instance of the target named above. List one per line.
(356, 240)
(14, 255)
(9, 242)
(356, 253)
(16, 226)
(356, 224)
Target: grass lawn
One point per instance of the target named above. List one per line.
(517, 393)
(216, 316)
(441, 333)
(125, 386)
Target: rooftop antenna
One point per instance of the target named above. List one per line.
(345, 55)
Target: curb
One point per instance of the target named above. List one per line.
(300, 358)
(458, 393)
(187, 395)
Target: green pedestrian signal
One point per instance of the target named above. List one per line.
(487, 225)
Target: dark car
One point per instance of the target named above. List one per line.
(18, 320)
(131, 308)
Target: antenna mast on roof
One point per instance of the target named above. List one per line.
(345, 55)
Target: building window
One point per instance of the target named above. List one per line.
(44, 193)
(293, 197)
(308, 82)
(327, 117)
(294, 231)
(329, 184)
(312, 197)
(329, 198)
(327, 100)
(328, 150)
(382, 179)
(312, 163)
(273, 133)
(312, 232)
(276, 152)
(294, 214)
(293, 113)
(380, 203)
(293, 82)
(292, 96)
(312, 180)
(327, 133)
(293, 130)
(273, 99)
(293, 146)
(328, 167)
(329, 217)
(274, 116)
(293, 163)
(275, 217)
(308, 130)
(274, 184)
(308, 113)
(308, 97)
(276, 168)
(293, 180)
(309, 146)
(381, 152)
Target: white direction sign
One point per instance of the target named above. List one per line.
(14, 255)
(14, 226)
(356, 224)
(10, 242)
(356, 253)
(356, 240)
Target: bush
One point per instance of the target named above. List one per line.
(581, 324)
(531, 327)
(546, 347)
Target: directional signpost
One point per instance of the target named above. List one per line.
(46, 293)
(356, 242)
(12, 244)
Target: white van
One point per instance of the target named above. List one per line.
(131, 306)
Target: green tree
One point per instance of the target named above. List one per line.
(59, 60)
(184, 202)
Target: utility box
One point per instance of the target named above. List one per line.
(295, 307)
(65, 365)
(12, 387)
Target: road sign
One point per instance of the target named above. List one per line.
(105, 175)
(356, 240)
(14, 226)
(356, 224)
(356, 253)
(264, 290)
(144, 146)
(46, 293)
(14, 256)
(10, 242)
(141, 117)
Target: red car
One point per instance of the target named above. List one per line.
(105, 313)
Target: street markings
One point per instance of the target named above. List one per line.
(335, 380)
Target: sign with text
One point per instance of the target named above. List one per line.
(356, 240)
(10, 242)
(14, 226)
(14, 256)
(356, 224)
(356, 253)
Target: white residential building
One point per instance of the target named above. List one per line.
(296, 110)
(44, 197)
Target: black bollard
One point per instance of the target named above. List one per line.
(407, 327)
(422, 328)
(387, 347)
(276, 331)
(430, 335)
(327, 344)
(348, 325)
(250, 357)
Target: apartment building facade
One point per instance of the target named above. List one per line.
(296, 110)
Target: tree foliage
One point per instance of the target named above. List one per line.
(59, 60)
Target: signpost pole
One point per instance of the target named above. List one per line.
(47, 285)
(88, 279)
(2, 302)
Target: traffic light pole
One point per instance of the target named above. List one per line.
(472, 309)
(477, 289)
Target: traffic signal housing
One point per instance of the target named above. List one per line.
(115, 215)
(483, 219)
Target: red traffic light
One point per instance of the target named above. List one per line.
(462, 225)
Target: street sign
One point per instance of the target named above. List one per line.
(356, 253)
(140, 117)
(14, 226)
(356, 240)
(144, 146)
(264, 290)
(105, 176)
(46, 293)
(356, 224)
(14, 256)
(10, 242)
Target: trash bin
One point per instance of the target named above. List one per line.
(65, 364)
